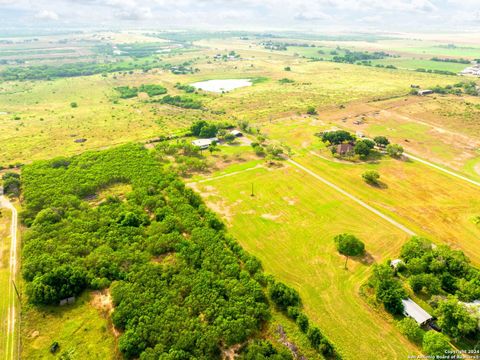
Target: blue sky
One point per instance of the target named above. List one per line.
(342, 15)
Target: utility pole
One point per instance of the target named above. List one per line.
(252, 194)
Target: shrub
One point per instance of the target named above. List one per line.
(411, 330)
(302, 322)
(435, 344)
(371, 177)
(284, 296)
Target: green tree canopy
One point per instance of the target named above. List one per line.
(435, 343)
(349, 245)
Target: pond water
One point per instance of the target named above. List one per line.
(219, 86)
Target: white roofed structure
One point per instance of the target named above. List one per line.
(394, 263)
(415, 311)
(204, 143)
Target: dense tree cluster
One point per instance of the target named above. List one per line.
(197, 297)
(435, 344)
(181, 286)
(455, 319)
(127, 92)
(336, 137)
(11, 183)
(388, 289)
(351, 57)
(46, 72)
(363, 147)
(204, 129)
(185, 87)
(263, 350)
(439, 270)
(185, 102)
(469, 88)
(451, 60)
(436, 71)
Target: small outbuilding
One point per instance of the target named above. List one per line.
(395, 262)
(416, 312)
(236, 133)
(424, 92)
(204, 143)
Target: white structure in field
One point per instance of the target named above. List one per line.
(204, 143)
(415, 311)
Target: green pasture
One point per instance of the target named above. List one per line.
(290, 224)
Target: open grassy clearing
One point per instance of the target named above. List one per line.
(436, 204)
(289, 224)
(5, 218)
(413, 64)
(82, 330)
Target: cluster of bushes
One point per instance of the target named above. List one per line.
(188, 157)
(433, 343)
(286, 81)
(287, 300)
(204, 129)
(263, 350)
(245, 126)
(352, 57)
(451, 60)
(11, 183)
(270, 151)
(181, 286)
(435, 71)
(388, 288)
(469, 88)
(184, 102)
(127, 92)
(185, 87)
(439, 270)
(361, 147)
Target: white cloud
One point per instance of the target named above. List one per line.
(46, 15)
(389, 14)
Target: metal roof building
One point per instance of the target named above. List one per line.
(204, 143)
(415, 311)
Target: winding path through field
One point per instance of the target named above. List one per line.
(354, 198)
(10, 337)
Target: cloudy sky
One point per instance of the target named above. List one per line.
(344, 15)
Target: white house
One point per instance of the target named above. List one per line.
(415, 311)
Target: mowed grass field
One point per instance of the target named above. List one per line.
(81, 330)
(433, 203)
(5, 218)
(289, 225)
